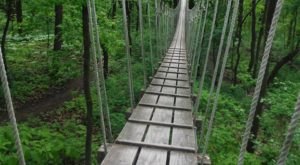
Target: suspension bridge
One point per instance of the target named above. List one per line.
(163, 127)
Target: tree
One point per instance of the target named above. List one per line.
(8, 9)
(253, 36)
(19, 15)
(239, 37)
(86, 84)
(58, 29)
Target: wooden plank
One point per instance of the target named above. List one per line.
(166, 100)
(182, 158)
(167, 94)
(182, 91)
(170, 90)
(158, 146)
(150, 122)
(153, 88)
(183, 102)
(162, 69)
(175, 63)
(151, 156)
(142, 113)
(160, 74)
(157, 135)
(167, 85)
(157, 81)
(183, 117)
(170, 82)
(165, 106)
(173, 70)
(162, 115)
(183, 137)
(149, 98)
(173, 67)
(183, 76)
(182, 66)
(120, 155)
(183, 83)
(133, 131)
(172, 75)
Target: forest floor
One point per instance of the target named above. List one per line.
(51, 100)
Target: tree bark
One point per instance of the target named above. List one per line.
(58, 29)
(86, 85)
(128, 14)
(253, 36)
(270, 5)
(105, 59)
(239, 36)
(19, 15)
(9, 8)
(137, 27)
(113, 10)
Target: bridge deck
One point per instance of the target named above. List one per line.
(161, 129)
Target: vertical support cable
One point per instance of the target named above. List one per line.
(142, 41)
(290, 134)
(102, 79)
(215, 69)
(99, 98)
(206, 58)
(156, 28)
(259, 82)
(195, 60)
(150, 37)
(126, 35)
(226, 54)
(10, 110)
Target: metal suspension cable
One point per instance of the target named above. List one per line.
(259, 82)
(142, 41)
(226, 54)
(99, 97)
(10, 110)
(150, 37)
(102, 79)
(156, 28)
(195, 38)
(126, 35)
(215, 69)
(201, 82)
(290, 134)
(195, 63)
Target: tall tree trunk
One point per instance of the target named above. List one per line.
(137, 17)
(271, 4)
(259, 40)
(58, 29)
(86, 85)
(253, 36)
(128, 14)
(239, 36)
(113, 10)
(105, 59)
(257, 53)
(9, 8)
(19, 15)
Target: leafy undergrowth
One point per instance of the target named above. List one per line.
(33, 71)
(232, 112)
(56, 137)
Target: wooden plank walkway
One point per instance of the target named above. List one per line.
(161, 129)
